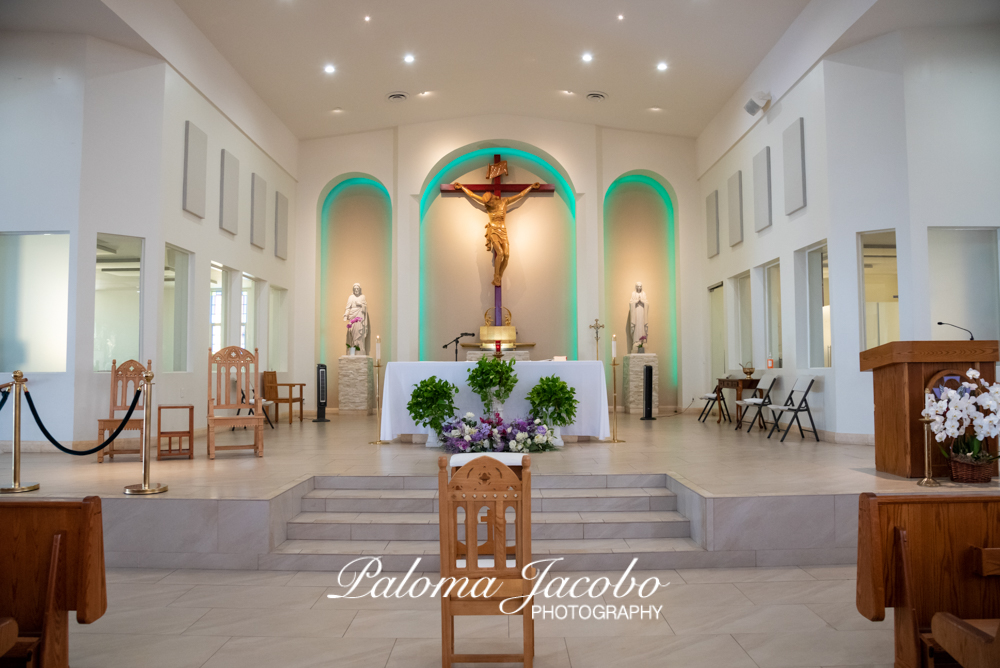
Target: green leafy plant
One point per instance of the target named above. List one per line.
(492, 380)
(553, 401)
(432, 402)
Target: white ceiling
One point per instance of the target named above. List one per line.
(512, 57)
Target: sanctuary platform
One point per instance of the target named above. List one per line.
(676, 494)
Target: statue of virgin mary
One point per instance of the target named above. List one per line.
(638, 318)
(356, 317)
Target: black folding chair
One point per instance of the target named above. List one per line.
(710, 399)
(792, 407)
(267, 417)
(766, 384)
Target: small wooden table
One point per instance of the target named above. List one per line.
(180, 451)
(738, 384)
(290, 400)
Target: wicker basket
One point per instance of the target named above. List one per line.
(972, 473)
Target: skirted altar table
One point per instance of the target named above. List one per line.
(586, 377)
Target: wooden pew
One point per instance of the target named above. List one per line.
(8, 634)
(928, 554)
(51, 561)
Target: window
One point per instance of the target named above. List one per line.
(176, 292)
(744, 321)
(218, 306)
(881, 311)
(248, 313)
(277, 339)
(717, 308)
(820, 345)
(964, 282)
(772, 310)
(117, 300)
(34, 270)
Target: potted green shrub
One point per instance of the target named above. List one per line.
(431, 403)
(553, 402)
(492, 380)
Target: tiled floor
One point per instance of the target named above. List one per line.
(713, 460)
(715, 618)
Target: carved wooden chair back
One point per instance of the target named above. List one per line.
(126, 378)
(235, 375)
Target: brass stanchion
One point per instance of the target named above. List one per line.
(146, 453)
(378, 396)
(928, 480)
(614, 390)
(16, 486)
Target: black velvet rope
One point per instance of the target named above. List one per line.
(82, 453)
(5, 393)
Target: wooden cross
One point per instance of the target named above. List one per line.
(496, 171)
(597, 327)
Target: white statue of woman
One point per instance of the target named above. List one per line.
(638, 318)
(356, 317)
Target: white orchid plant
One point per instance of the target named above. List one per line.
(968, 416)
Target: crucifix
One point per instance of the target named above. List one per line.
(597, 327)
(496, 229)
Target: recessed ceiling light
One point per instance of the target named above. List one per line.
(655, 109)
(425, 93)
(336, 110)
(587, 57)
(408, 58)
(621, 17)
(567, 92)
(368, 18)
(662, 67)
(329, 69)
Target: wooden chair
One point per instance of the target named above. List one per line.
(929, 554)
(235, 373)
(270, 380)
(291, 399)
(51, 562)
(794, 406)
(485, 484)
(125, 380)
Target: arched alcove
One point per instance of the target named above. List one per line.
(354, 246)
(640, 244)
(456, 269)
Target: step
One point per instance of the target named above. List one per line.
(538, 482)
(544, 525)
(600, 499)
(586, 555)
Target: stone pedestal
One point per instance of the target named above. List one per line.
(519, 355)
(632, 371)
(356, 378)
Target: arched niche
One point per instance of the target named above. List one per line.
(640, 244)
(456, 269)
(354, 245)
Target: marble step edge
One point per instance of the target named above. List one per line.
(409, 519)
(356, 494)
(538, 481)
(540, 546)
(539, 504)
(571, 562)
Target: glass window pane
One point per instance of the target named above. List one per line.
(277, 348)
(772, 294)
(820, 338)
(248, 313)
(34, 270)
(964, 282)
(219, 283)
(881, 314)
(176, 285)
(117, 300)
(745, 320)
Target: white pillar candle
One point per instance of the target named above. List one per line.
(378, 348)
(614, 346)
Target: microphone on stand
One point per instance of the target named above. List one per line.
(971, 337)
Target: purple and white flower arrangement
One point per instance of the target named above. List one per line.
(493, 434)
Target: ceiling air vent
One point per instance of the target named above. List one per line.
(396, 96)
(597, 96)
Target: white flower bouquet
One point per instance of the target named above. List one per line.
(967, 416)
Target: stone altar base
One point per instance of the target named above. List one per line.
(632, 370)
(357, 384)
(519, 355)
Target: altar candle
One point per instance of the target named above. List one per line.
(614, 346)
(378, 348)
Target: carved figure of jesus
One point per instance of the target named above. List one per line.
(496, 227)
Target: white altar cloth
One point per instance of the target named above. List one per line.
(587, 377)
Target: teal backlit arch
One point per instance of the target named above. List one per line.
(662, 188)
(326, 199)
(463, 160)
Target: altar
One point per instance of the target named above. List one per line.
(586, 377)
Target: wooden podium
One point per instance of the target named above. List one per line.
(902, 370)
